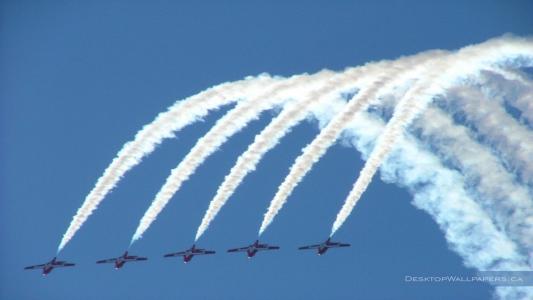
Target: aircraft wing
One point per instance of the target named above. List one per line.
(203, 252)
(175, 254)
(64, 264)
(272, 248)
(336, 245)
(238, 249)
(137, 258)
(35, 267)
(309, 247)
(106, 261)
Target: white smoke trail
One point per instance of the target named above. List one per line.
(179, 115)
(515, 76)
(507, 203)
(468, 61)
(401, 71)
(231, 123)
(501, 131)
(270, 136)
(440, 192)
(494, 187)
(517, 84)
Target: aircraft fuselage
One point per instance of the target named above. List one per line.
(251, 252)
(47, 270)
(322, 250)
(119, 264)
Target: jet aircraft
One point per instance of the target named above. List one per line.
(121, 260)
(323, 247)
(189, 253)
(49, 266)
(252, 249)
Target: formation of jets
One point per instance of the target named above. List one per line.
(251, 251)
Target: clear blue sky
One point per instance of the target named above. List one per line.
(78, 79)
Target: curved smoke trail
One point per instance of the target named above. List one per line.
(491, 185)
(507, 203)
(292, 114)
(443, 74)
(231, 123)
(400, 71)
(498, 129)
(179, 115)
(517, 84)
(440, 192)
(466, 176)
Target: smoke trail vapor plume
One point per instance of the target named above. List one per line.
(440, 192)
(466, 158)
(443, 74)
(164, 126)
(402, 69)
(292, 114)
(227, 126)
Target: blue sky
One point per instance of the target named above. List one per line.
(80, 79)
